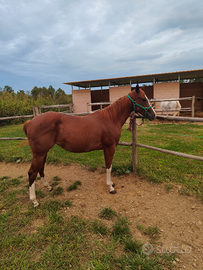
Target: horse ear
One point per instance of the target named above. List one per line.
(137, 88)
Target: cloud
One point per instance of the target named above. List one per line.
(51, 42)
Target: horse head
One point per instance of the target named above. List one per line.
(141, 104)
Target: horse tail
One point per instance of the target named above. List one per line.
(25, 126)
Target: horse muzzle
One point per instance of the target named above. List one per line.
(151, 115)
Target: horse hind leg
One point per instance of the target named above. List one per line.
(36, 166)
(32, 177)
(43, 178)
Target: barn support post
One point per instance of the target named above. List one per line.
(134, 144)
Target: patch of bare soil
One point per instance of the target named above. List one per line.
(178, 217)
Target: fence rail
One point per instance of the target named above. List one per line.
(101, 104)
(16, 117)
(171, 99)
(59, 106)
(180, 118)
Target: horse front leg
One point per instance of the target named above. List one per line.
(108, 154)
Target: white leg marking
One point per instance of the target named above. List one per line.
(33, 195)
(108, 179)
(46, 184)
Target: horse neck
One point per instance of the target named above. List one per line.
(119, 111)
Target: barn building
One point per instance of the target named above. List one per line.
(156, 86)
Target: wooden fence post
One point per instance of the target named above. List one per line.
(134, 143)
(35, 111)
(193, 106)
(39, 109)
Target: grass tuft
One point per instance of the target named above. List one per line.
(134, 246)
(74, 186)
(107, 213)
(57, 191)
(99, 227)
(68, 203)
(152, 232)
(55, 182)
(121, 229)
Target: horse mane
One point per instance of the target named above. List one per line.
(112, 111)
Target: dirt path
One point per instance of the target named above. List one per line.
(180, 218)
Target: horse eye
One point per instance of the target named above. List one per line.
(144, 100)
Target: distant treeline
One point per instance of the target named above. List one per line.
(21, 103)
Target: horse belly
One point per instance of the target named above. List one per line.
(78, 143)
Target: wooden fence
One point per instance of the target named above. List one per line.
(101, 104)
(59, 106)
(134, 143)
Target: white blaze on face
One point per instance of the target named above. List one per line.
(150, 104)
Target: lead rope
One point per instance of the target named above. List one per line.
(133, 118)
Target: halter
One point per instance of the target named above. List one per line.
(145, 109)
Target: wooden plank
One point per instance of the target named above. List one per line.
(14, 138)
(125, 143)
(55, 106)
(170, 99)
(98, 103)
(171, 110)
(180, 118)
(16, 117)
(170, 152)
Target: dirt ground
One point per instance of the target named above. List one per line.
(178, 217)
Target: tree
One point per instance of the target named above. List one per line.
(35, 92)
(22, 92)
(51, 90)
(60, 93)
(8, 89)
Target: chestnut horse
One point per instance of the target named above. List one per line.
(100, 130)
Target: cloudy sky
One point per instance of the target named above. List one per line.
(48, 42)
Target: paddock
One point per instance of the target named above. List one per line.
(177, 217)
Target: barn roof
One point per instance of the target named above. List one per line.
(171, 76)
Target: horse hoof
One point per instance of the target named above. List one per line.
(36, 204)
(113, 192)
(50, 188)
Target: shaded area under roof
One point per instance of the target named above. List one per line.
(172, 76)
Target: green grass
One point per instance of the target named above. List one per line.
(154, 166)
(152, 232)
(107, 213)
(57, 191)
(74, 186)
(45, 238)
